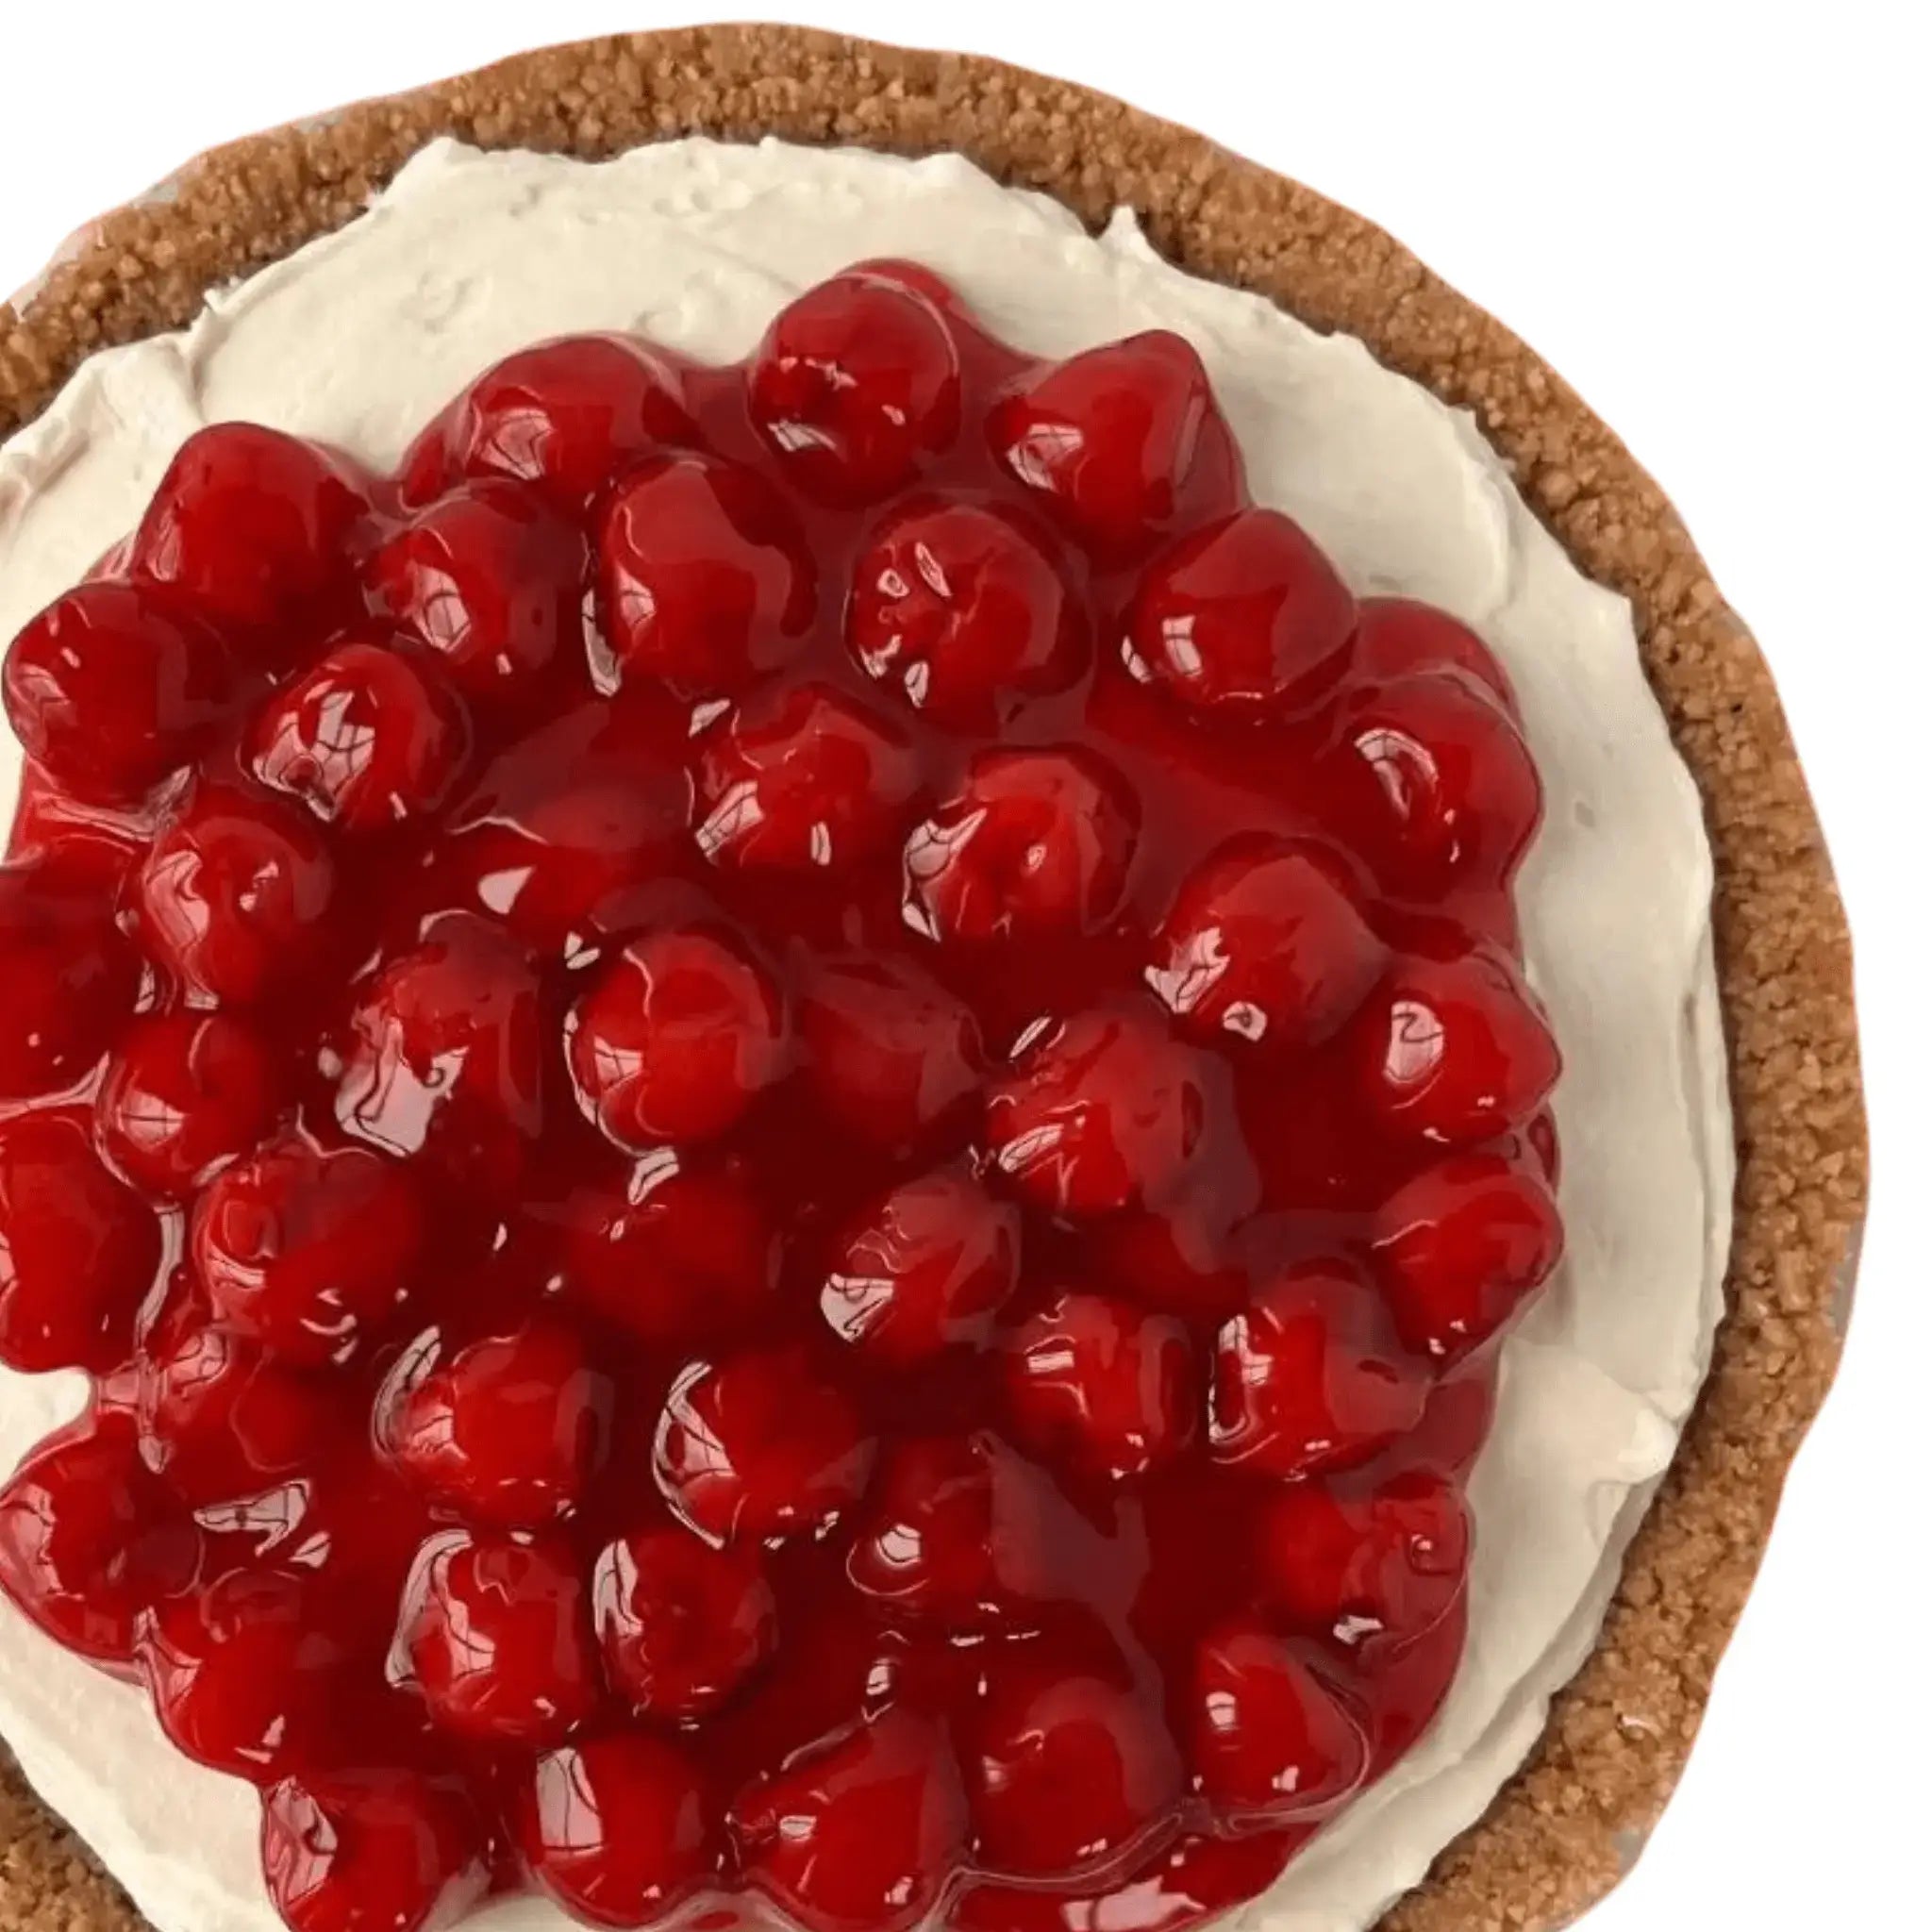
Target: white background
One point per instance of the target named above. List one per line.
(1713, 220)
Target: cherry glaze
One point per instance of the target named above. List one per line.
(792, 1109)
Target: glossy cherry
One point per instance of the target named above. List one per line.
(367, 738)
(1105, 1389)
(925, 1268)
(1265, 942)
(309, 1250)
(505, 1429)
(1271, 1737)
(237, 896)
(1455, 1051)
(677, 1037)
(1435, 783)
(1398, 636)
(855, 1833)
(682, 1624)
(1461, 1247)
(564, 415)
(1376, 1567)
(966, 611)
(114, 686)
(71, 979)
(620, 1830)
(446, 1050)
(760, 1446)
(185, 1094)
(1067, 1766)
(928, 1546)
(495, 1635)
(1035, 845)
(1124, 444)
(1310, 1376)
(242, 1673)
(704, 578)
(254, 529)
(1247, 617)
(385, 1850)
(89, 1539)
(806, 782)
(1102, 1111)
(672, 1253)
(78, 1251)
(491, 580)
(856, 385)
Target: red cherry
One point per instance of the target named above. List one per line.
(927, 1546)
(447, 1052)
(704, 577)
(1106, 1390)
(1309, 1376)
(1248, 617)
(858, 1833)
(112, 688)
(1398, 638)
(372, 1851)
(71, 978)
(925, 1268)
(185, 1094)
(1455, 1051)
(1271, 1737)
(1265, 942)
(891, 1055)
(759, 1447)
(1461, 1247)
(677, 1254)
(1122, 443)
(366, 739)
(496, 1635)
(243, 1674)
(506, 1429)
(682, 1624)
(79, 1252)
(252, 527)
(1102, 1111)
(966, 611)
(305, 1250)
(1036, 845)
(1382, 1567)
(567, 826)
(1435, 784)
(617, 1829)
(492, 581)
(677, 1037)
(802, 780)
(856, 385)
(89, 1539)
(1069, 1764)
(564, 415)
(235, 895)
(218, 1421)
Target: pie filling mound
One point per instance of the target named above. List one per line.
(785, 1112)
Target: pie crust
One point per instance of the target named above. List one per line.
(1571, 1822)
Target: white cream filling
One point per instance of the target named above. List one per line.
(358, 338)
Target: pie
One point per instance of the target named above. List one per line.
(862, 1063)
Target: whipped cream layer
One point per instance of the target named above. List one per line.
(360, 337)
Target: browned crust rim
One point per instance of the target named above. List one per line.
(1565, 1828)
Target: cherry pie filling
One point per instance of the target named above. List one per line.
(787, 1112)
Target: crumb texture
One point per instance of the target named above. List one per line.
(1562, 1831)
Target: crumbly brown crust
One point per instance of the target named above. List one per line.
(1563, 1830)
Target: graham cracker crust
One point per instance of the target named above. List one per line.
(1567, 1826)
